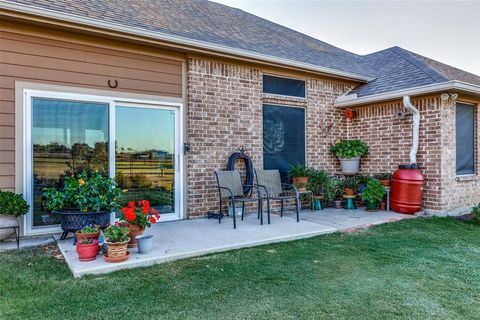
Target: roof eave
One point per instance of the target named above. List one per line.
(351, 100)
(186, 42)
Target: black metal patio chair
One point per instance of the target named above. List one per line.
(272, 188)
(229, 185)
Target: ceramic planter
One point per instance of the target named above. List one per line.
(134, 231)
(87, 252)
(349, 191)
(7, 221)
(144, 243)
(350, 166)
(338, 204)
(385, 182)
(300, 183)
(117, 251)
(371, 205)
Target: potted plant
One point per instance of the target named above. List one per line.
(317, 183)
(88, 232)
(12, 206)
(337, 189)
(139, 216)
(116, 238)
(373, 194)
(84, 200)
(87, 249)
(299, 175)
(384, 178)
(349, 153)
(350, 186)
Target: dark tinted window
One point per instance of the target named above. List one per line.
(465, 138)
(283, 137)
(283, 86)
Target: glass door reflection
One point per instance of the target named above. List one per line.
(145, 156)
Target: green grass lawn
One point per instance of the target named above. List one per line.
(415, 269)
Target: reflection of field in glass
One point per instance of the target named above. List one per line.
(148, 179)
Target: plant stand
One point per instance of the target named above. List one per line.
(317, 203)
(16, 229)
(350, 202)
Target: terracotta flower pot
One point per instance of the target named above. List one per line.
(349, 191)
(117, 251)
(385, 182)
(87, 252)
(300, 183)
(134, 231)
(80, 235)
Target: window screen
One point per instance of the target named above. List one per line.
(284, 86)
(465, 138)
(283, 138)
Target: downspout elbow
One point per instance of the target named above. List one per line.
(415, 128)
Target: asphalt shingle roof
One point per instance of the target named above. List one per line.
(202, 20)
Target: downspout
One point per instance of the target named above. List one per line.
(415, 128)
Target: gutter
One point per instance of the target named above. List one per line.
(350, 100)
(189, 43)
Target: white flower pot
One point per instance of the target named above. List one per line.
(350, 166)
(7, 221)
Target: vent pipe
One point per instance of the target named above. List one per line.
(415, 128)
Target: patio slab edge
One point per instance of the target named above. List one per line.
(129, 264)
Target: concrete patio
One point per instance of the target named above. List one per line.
(191, 238)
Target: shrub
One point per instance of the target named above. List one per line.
(13, 204)
(347, 149)
(374, 191)
(87, 193)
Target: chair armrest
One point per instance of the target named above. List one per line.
(291, 187)
(265, 189)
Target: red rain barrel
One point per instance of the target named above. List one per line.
(407, 189)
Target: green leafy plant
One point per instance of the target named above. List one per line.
(90, 229)
(347, 149)
(383, 176)
(87, 241)
(333, 189)
(374, 191)
(476, 211)
(317, 181)
(13, 204)
(299, 170)
(85, 192)
(351, 183)
(117, 232)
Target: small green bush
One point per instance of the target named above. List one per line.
(348, 149)
(13, 204)
(374, 191)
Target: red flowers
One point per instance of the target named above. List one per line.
(142, 215)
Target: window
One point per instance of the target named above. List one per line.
(283, 86)
(465, 138)
(283, 137)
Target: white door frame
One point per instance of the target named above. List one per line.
(112, 101)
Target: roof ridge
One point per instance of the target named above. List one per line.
(432, 73)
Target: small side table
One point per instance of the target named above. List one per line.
(387, 190)
(349, 202)
(13, 224)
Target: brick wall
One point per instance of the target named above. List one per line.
(389, 139)
(225, 112)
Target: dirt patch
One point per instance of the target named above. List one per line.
(466, 217)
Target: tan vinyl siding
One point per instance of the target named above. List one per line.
(57, 57)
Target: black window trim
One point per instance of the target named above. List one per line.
(286, 95)
(475, 139)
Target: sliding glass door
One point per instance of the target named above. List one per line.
(138, 144)
(145, 155)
